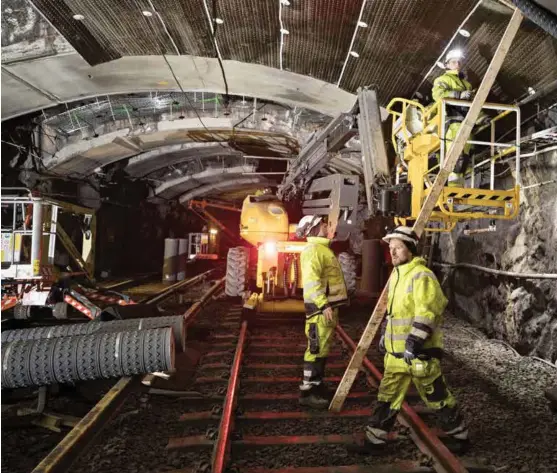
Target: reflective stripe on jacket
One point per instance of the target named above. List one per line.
(322, 277)
(447, 83)
(414, 310)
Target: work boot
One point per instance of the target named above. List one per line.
(324, 391)
(374, 443)
(455, 428)
(313, 398)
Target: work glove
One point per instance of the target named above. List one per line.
(408, 357)
(466, 95)
(382, 344)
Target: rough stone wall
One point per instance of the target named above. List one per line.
(522, 312)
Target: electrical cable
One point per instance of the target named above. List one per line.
(215, 25)
(163, 54)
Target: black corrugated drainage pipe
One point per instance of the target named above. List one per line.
(86, 357)
(546, 20)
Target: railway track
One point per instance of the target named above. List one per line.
(240, 412)
(257, 359)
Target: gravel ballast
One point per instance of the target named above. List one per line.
(501, 396)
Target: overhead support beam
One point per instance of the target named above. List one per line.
(223, 186)
(454, 152)
(374, 155)
(204, 214)
(315, 154)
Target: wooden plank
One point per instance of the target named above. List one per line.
(456, 149)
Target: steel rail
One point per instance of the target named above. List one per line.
(222, 445)
(175, 287)
(76, 442)
(425, 439)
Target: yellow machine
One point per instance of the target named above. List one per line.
(268, 276)
(264, 224)
(418, 134)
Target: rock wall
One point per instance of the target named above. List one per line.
(522, 312)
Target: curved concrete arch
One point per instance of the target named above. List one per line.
(154, 160)
(228, 185)
(84, 156)
(41, 83)
(210, 176)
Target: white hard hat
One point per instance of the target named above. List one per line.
(306, 224)
(405, 234)
(454, 54)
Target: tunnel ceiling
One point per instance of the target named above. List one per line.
(87, 58)
(397, 44)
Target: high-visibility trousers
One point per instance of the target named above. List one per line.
(426, 376)
(320, 335)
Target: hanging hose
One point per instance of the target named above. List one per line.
(285, 274)
(499, 272)
(296, 276)
(538, 15)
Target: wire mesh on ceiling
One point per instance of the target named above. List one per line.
(141, 109)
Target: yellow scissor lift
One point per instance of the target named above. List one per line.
(417, 134)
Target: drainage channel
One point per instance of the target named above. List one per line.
(249, 368)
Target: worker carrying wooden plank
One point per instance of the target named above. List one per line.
(412, 341)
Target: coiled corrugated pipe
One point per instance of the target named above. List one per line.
(176, 322)
(86, 357)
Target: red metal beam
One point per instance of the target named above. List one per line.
(261, 379)
(275, 440)
(294, 415)
(402, 466)
(293, 346)
(269, 366)
(288, 354)
(222, 446)
(208, 217)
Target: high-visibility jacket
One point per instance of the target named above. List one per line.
(447, 83)
(322, 277)
(414, 310)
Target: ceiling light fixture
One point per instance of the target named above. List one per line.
(463, 32)
(362, 24)
(531, 90)
(354, 54)
(283, 31)
(286, 3)
(147, 13)
(219, 21)
(78, 17)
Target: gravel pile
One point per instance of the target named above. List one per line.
(502, 397)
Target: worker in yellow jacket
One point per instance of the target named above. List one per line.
(413, 342)
(452, 84)
(324, 291)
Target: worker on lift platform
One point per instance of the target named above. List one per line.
(452, 84)
(413, 343)
(324, 291)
